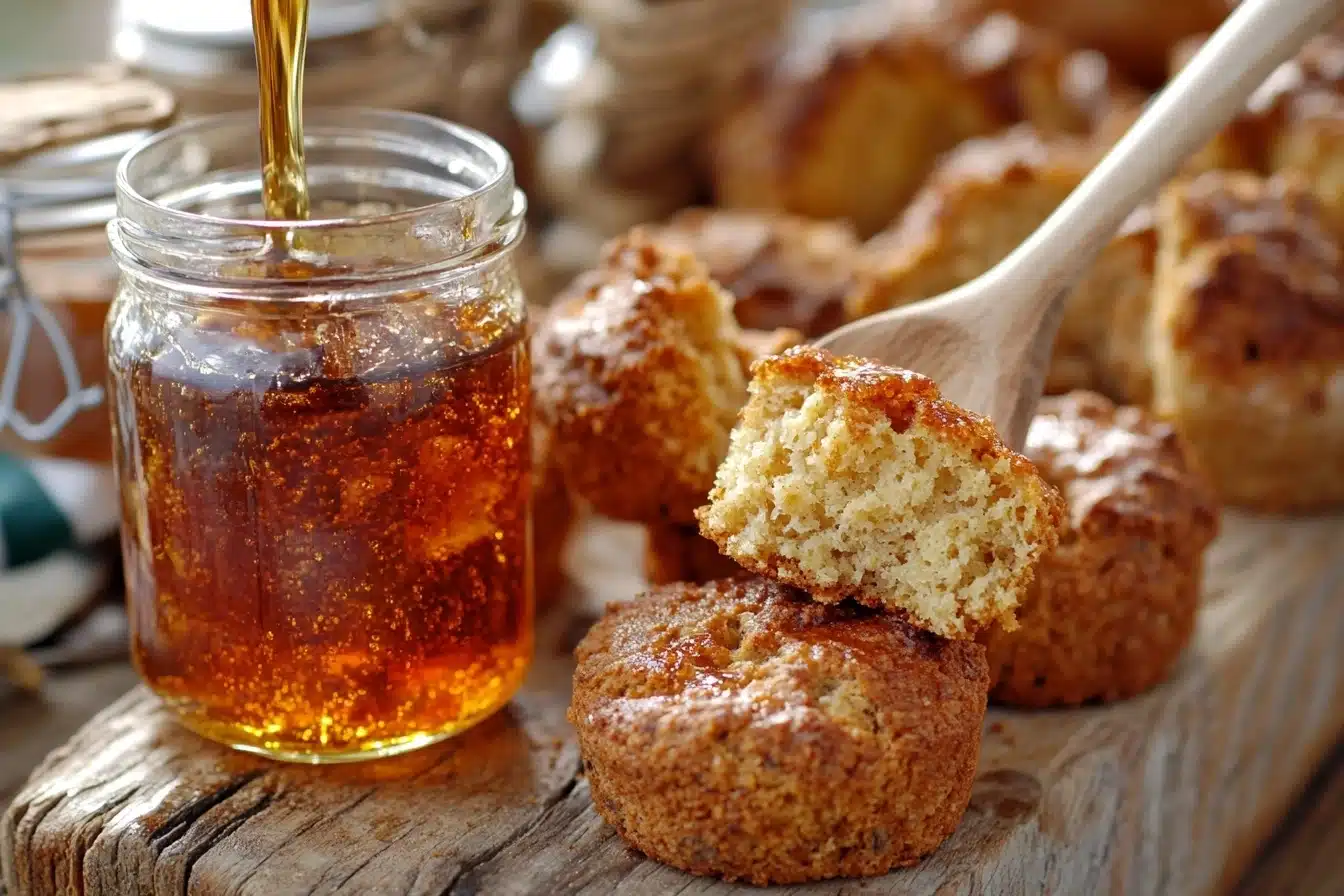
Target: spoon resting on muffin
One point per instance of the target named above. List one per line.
(987, 343)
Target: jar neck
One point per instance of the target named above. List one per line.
(397, 199)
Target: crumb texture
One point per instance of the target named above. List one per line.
(739, 729)
(850, 479)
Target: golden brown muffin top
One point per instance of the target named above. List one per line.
(1309, 87)
(755, 647)
(629, 317)
(982, 166)
(903, 397)
(785, 271)
(998, 52)
(1121, 472)
(1136, 34)
(635, 254)
(1262, 271)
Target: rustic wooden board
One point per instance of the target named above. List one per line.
(1304, 856)
(1170, 793)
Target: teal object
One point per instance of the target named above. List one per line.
(32, 527)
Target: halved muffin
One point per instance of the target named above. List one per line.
(847, 478)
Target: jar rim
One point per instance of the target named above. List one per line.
(131, 196)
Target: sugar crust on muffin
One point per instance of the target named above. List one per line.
(1114, 605)
(720, 724)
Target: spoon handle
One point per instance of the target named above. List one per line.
(1209, 92)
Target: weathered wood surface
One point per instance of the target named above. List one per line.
(1168, 794)
(1305, 857)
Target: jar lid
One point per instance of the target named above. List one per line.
(184, 38)
(61, 138)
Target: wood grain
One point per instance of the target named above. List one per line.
(1167, 794)
(1304, 858)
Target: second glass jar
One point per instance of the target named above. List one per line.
(321, 434)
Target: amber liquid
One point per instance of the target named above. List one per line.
(281, 31)
(327, 567)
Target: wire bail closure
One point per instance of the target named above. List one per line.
(25, 310)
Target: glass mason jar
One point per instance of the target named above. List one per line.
(321, 432)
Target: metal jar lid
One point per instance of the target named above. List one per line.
(61, 138)
(60, 141)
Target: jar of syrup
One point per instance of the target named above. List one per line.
(322, 434)
(60, 140)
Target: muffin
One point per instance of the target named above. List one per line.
(639, 374)
(979, 204)
(1137, 35)
(983, 200)
(847, 126)
(849, 479)
(682, 554)
(784, 271)
(553, 510)
(739, 729)
(1304, 102)
(1292, 125)
(1114, 605)
(1246, 338)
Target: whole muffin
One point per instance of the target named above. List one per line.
(1113, 606)
(1293, 125)
(851, 479)
(553, 510)
(1246, 338)
(741, 730)
(638, 371)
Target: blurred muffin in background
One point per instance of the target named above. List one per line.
(1246, 338)
(783, 270)
(846, 125)
(978, 205)
(1136, 35)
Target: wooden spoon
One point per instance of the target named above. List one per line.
(987, 343)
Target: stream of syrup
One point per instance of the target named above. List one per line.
(281, 30)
